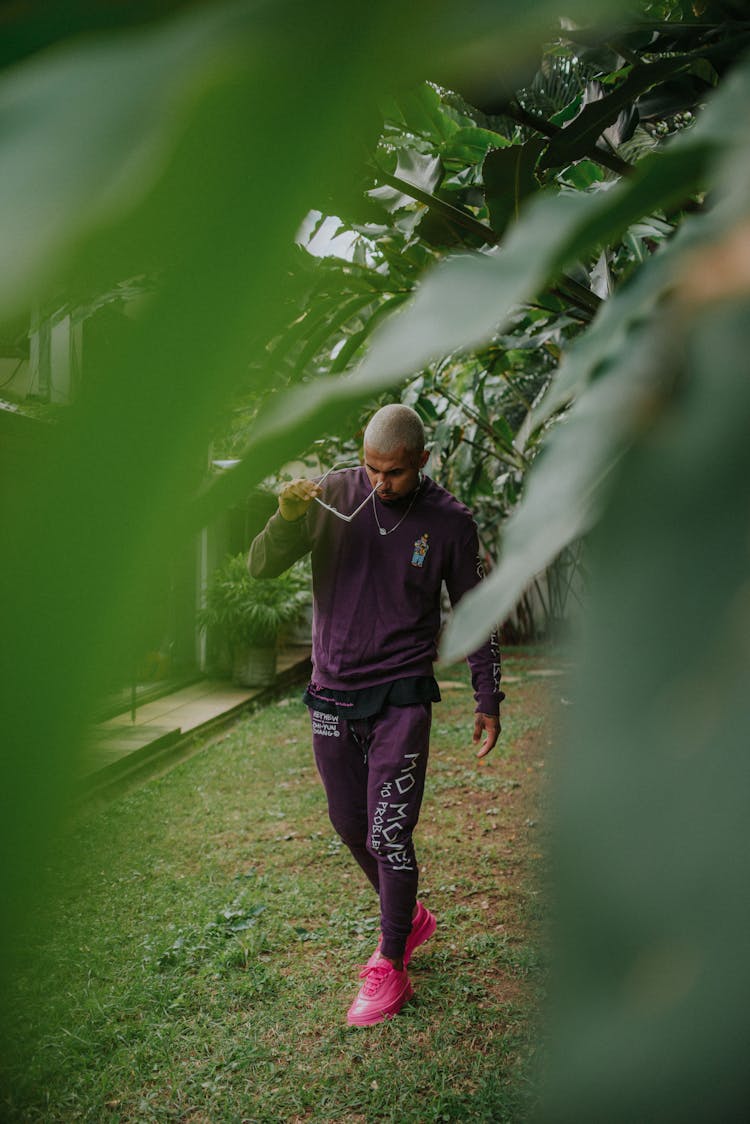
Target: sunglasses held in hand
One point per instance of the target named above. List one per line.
(333, 510)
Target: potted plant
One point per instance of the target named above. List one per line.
(250, 614)
(299, 632)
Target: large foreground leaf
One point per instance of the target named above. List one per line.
(607, 337)
(652, 854)
(564, 494)
(86, 130)
(724, 127)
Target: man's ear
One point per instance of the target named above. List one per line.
(424, 457)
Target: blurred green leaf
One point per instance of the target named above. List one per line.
(724, 126)
(607, 337)
(563, 496)
(358, 339)
(340, 313)
(651, 804)
(86, 129)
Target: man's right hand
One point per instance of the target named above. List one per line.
(296, 497)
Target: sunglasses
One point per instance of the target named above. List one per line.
(333, 510)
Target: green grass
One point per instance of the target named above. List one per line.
(199, 958)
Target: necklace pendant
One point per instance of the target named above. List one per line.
(382, 530)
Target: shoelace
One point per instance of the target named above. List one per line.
(363, 971)
(375, 976)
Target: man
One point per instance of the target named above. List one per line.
(376, 588)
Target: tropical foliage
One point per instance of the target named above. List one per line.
(251, 612)
(445, 177)
(608, 285)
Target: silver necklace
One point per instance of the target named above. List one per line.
(392, 529)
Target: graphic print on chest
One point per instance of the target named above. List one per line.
(421, 546)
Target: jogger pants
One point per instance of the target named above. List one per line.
(373, 772)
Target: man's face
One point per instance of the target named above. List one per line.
(397, 473)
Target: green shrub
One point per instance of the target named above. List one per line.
(250, 612)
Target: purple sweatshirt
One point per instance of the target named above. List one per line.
(376, 598)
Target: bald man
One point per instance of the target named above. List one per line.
(377, 583)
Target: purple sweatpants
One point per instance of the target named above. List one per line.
(373, 772)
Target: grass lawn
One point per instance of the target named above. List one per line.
(206, 942)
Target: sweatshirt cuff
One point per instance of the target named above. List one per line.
(285, 528)
(489, 704)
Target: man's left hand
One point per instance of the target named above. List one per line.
(490, 725)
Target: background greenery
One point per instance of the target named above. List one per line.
(248, 612)
(607, 290)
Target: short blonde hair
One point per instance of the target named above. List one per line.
(395, 427)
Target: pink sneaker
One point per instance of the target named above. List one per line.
(422, 928)
(381, 996)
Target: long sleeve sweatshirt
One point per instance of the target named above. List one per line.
(376, 598)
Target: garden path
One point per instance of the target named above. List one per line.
(126, 747)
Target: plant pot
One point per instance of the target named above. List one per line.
(301, 632)
(254, 667)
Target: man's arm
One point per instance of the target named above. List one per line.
(466, 573)
(285, 537)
